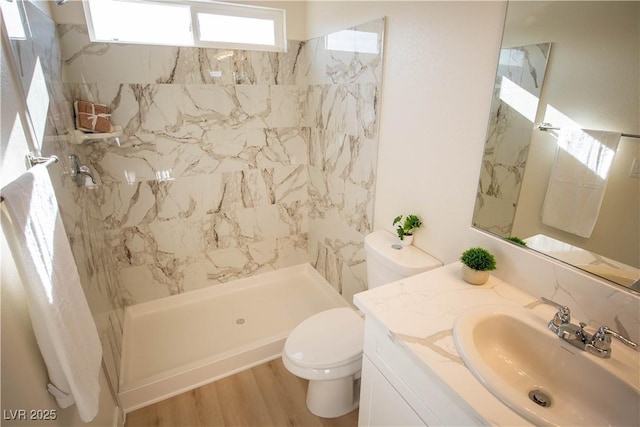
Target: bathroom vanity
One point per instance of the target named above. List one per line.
(413, 373)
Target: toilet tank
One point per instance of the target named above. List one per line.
(386, 263)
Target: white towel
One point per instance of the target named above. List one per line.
(579, 179)
(60, 315)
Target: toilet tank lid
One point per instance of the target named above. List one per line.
(406, 261)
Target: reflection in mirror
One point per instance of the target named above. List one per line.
(571, 188)
(513, 110)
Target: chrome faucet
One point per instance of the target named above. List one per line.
(598, 344)
(78, 171)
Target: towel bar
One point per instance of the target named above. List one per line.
(548, 126)
(36, 160)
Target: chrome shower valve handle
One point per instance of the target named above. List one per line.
(79, 172)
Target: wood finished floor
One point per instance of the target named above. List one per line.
(267, 395)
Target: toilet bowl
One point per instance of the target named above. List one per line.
(326, 348)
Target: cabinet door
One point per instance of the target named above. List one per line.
(380, 403)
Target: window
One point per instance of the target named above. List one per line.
(12, 19)
(353, 41)
(186, 23)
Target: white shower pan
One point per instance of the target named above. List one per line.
(178, 343)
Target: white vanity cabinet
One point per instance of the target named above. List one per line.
(380, 403)
(395, 391)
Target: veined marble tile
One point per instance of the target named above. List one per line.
(130, 63)
(504, 161)
(494, 214)
(347, 67)
(353, 204)
(211, 181)
(224, 66)
(192, 237)
(290, 184)
(326, 63)
(189, 111)
(143, 286)
(168, 275)
(345, 156)
(142, 202)
(352, 109)
(327, 263)
(520, 75)
(217, 152)
(127, 205)
(339, 257)
(334, 233)
(283, 146)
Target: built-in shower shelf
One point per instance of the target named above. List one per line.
(79, 137)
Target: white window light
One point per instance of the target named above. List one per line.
(186, 23)
(353, 41)
(12, 19)
(138, 22)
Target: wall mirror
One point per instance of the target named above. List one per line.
(555, 174)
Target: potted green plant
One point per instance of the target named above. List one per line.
(516, 240)
(406, 227)
(477, 263)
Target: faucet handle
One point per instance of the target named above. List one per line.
(563, 315)
(602, 338)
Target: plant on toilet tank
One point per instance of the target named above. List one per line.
(405, 228)
(477, 263)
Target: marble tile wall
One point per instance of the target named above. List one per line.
(209, 182)
(517, 90)
(342, 114)
(38, 59)
(231, 160)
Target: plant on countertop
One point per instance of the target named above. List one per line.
(407, 227)
(516, 240)
(478, 259)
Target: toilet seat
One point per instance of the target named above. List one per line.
(329, 339)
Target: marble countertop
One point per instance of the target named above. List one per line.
(420, 312)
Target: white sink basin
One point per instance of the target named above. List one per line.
(513, 353)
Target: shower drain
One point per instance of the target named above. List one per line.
(539, 397)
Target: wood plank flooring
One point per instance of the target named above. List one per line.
(267, 395)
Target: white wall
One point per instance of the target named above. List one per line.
(439, 66)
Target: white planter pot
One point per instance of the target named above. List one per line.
(474, 277)
(407, 240)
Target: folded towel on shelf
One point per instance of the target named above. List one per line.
(60, 315)
(92, 117)
(578, 179)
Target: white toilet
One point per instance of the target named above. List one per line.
(326, 348)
